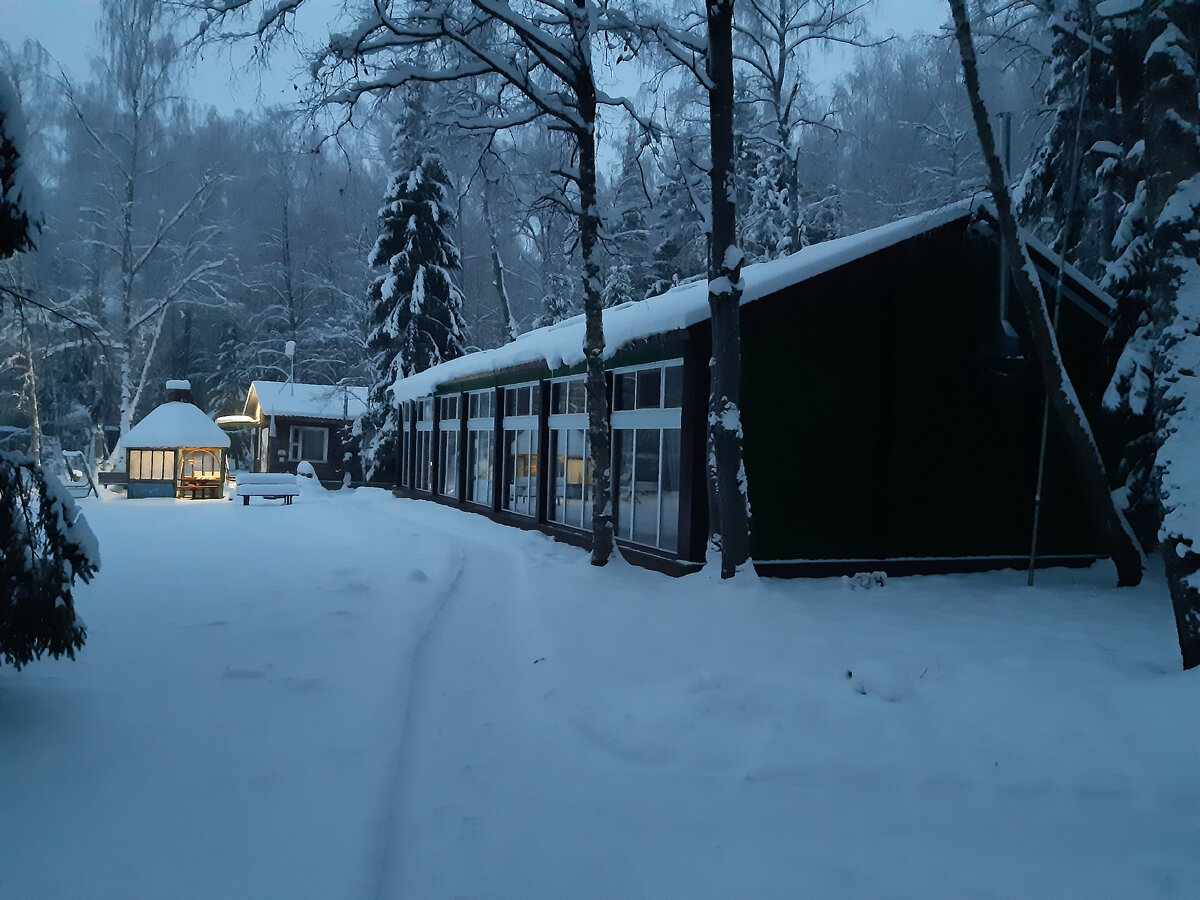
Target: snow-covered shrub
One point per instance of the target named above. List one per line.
(45, 544)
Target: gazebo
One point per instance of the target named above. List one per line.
(176, 451)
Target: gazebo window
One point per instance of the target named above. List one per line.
(570, 456)
(522, 404)
(151, 465)
(308, 443)
(448, 427)
(481, 426)
(424, 448)
(646, 418)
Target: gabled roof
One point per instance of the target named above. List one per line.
(175, 424)
(560, 346)
(335, 402)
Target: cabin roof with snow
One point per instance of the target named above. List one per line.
(334, 402)
(560, 346)
(175, 424)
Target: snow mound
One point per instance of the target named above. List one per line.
(884, 680)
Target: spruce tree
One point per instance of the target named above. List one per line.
(416, 305)
(44, 542)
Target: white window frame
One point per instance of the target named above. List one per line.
(481, 424)
(649, 419)
(449, 426)
(295, 442)
(520, 422)
(146, 458)
(562, 423)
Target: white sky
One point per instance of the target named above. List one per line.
(67, 28)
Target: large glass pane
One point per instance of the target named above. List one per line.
(577, 399)
(510, 467)
(673, 387)
(649, 388)
(405, 459)
(535, 400)
(556, 509)
(623, 390)
(623, 454)
(312, 444)
(669, 532)
(575, 441)
(645, 488)
(473, 406)
(479, 467)
(449, 467)
(558, 398)
(523, 401)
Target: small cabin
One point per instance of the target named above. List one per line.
(292, 423)
(176, 451)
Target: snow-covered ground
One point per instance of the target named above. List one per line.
(358, 696)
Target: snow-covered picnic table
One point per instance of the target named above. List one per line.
(268, 485)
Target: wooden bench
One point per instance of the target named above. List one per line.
(268, 485)
(111, 478)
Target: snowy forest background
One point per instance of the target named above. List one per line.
(249, 230)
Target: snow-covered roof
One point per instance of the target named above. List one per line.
(311, 401)
(560, 345)
(179, 384)
(175, 424)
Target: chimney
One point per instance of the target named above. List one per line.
(179, 390)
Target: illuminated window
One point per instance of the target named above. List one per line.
(522, 404)
(570, 454)
(151, 465)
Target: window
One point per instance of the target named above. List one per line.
(308, 443)
(522, 404)
(423, 477)
(646, 451)
(481, 430)
(448, 429)
(200, 465)
(570, 454)
(406, 414)
(151, 465)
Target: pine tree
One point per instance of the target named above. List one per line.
(44, 542)
(416, 306)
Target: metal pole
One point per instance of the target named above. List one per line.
(1064, 246)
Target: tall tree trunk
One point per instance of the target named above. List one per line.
(724, 299)
(1122, 545)
(593, 342)
(508, 326)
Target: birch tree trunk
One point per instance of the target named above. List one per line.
(726, 469)
(508, 327)
(1121, 543)
(599, 433)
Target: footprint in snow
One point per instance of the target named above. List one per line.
(417, 575)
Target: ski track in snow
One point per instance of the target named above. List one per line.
(387, 850)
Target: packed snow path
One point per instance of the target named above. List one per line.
(362, 697)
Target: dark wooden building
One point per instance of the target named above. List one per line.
(891, 410)
(292, 423)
